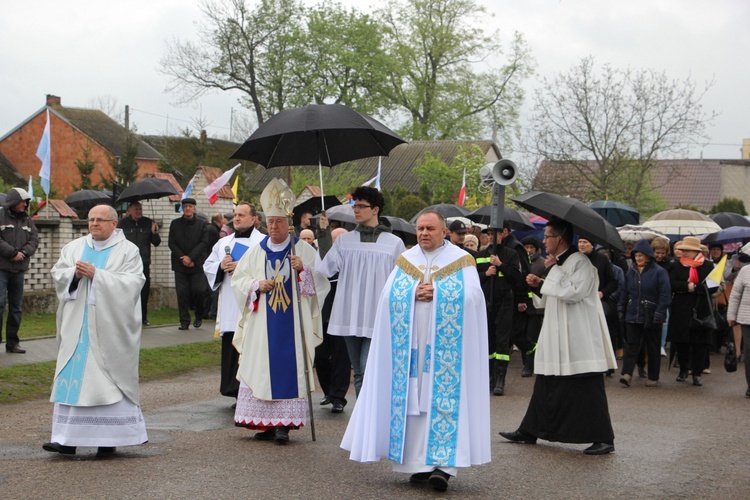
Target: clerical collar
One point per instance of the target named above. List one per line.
(244, 234)
(564, 256)
(99, 245)
(432, 253)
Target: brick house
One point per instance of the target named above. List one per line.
(71, 131)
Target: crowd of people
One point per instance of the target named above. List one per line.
(427, 331)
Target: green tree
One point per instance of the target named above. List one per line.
(442, 182)
(125, 167)
(436, 47)
(409, 206)
(85, 166)
(337, 181)
(611, 126)
(728, 204)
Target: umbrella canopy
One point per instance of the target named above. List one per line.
(586, 223)
(149, 188)
(634, 233)
(728, 235)
(317, 134)
(729, 219)
(680, 222)
(88, 198)
(518, 220)
(618, 214)
(403, 229)
(445, 209)
(314, 206)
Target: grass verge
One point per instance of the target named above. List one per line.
(33, 381)
(43, 325)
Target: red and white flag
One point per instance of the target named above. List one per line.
(462, 193)
(212, 190)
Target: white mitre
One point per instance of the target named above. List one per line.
(277, 199)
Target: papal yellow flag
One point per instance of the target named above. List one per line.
(235, 186)
(714, 278)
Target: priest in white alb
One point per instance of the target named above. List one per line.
(98, 280)
(219, 269)
(424, 403)
(273, 391)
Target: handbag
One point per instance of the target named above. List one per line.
(707, 322)
(649, 309)
(730, 358)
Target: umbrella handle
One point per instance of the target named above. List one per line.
(322, 194)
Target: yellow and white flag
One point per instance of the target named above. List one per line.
(714, 278)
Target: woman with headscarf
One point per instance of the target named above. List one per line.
(687, 279)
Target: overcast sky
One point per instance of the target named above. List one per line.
(82, 50)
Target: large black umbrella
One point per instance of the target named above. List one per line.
(403, 229)
(586, 222)
(314, 206)
(730, 219)
(618, 214)
(149, 188)
(317, 134)
(444, 209)
(518, 220)
(88, 198)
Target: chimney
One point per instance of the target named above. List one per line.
(53, 100)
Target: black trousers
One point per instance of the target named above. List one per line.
(333, 367)
(145, 291)
(638, 338)
(191, 289)
(230, 358)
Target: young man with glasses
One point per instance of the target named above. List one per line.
(569, 402)
(363, 258)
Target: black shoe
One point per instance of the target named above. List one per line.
(697, 381)
(15, 349)
(420, 477)
(234, 406)
(146, 322)
(526, 372)
(266, 435)
(439, 480)
(747, 393)
(105, 451)
(642, 372)
(282, 435)
(599, 449)
(518, 436)
(682, 376)
(337, 408)
(59, 448)
(184, 326)
(197, 323)
(325, 401)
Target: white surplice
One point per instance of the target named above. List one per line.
(424, 402)
(363, 269)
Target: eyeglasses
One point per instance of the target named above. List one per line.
(360, 206)
(99, 221)
(548, 236)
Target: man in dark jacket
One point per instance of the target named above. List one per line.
(143, 232)
(501, 273)
(18, 242)
(188, 244)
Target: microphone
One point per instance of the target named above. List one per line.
(227, 250)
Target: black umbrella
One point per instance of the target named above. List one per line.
(618, 214)
(586, 222)
(149, 188)
(730, 219)
(317, 134)
(728, 235)
(314, 206)
(518, 220)
(88, 198)
(403, 229)
(444, 209)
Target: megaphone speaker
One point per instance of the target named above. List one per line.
(502, 172)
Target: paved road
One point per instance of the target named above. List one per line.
(673, 441)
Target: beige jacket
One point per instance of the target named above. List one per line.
(739, 302)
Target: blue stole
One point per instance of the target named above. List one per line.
(446, 359)
(70, 379)
(280, 331)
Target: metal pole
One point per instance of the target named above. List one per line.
(302, 335)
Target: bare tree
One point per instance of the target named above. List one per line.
(109, 106)
(607, 130)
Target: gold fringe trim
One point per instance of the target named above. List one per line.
(409, 268)
(454, 267)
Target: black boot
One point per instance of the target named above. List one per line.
(493, 373)
(528, 366)
(501, 368)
